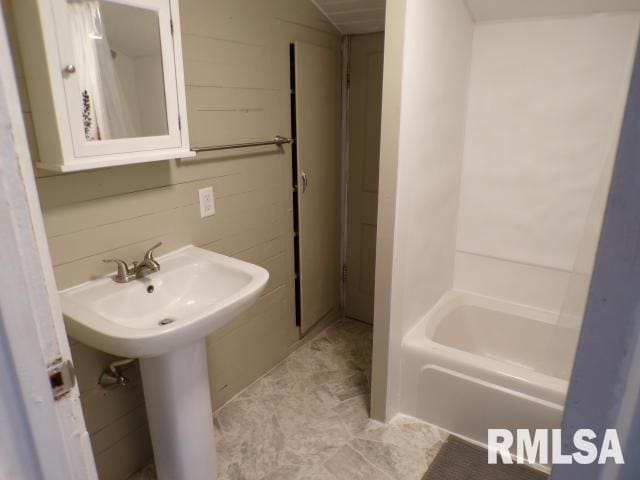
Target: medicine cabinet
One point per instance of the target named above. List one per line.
(105, 81)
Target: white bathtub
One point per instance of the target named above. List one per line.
(475, 363)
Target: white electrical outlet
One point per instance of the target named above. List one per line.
(207, 206)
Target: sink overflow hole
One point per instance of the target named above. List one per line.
(150, 289)
(165, 321)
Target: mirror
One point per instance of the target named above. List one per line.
(118, 55)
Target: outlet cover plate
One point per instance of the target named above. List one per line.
(207, 205)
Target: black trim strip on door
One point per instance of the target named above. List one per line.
(294, 177)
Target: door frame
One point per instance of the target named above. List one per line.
(604, 389)
(347, 163)
(49, 437)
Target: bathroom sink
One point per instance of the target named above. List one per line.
(163, 319)
(195, 292)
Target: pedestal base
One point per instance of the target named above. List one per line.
(176, 391)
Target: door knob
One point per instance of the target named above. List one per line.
(69, 69)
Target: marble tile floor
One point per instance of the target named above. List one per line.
(308, 419)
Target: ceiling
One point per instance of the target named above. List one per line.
(486, 10)
(367, 16)
(354, 16)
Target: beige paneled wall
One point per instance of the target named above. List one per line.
(236, 55)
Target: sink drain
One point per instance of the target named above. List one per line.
(165, 321)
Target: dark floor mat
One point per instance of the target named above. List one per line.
(460, 460)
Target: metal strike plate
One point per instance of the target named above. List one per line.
(62, 378)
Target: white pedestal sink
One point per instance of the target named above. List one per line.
(163, 320)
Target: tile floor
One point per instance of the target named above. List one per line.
(308, 419)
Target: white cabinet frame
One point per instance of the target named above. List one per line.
(48, 49)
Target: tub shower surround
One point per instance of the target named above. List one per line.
(471, 353)
(309, 419)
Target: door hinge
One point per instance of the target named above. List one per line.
(348, 79)
(345, 271)
(62, 378)
(171, 25)
(179, 123)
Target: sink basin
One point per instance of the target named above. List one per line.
(163, 319)
(195, 292)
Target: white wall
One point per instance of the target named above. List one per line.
(483, 10)
(546, 101)
(437, 50)
(386, 339)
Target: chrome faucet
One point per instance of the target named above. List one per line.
(138, 269)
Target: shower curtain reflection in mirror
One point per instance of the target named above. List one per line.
(105, 112)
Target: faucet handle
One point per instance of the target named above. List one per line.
(149, 254)
(121, 263)
(123, 268)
